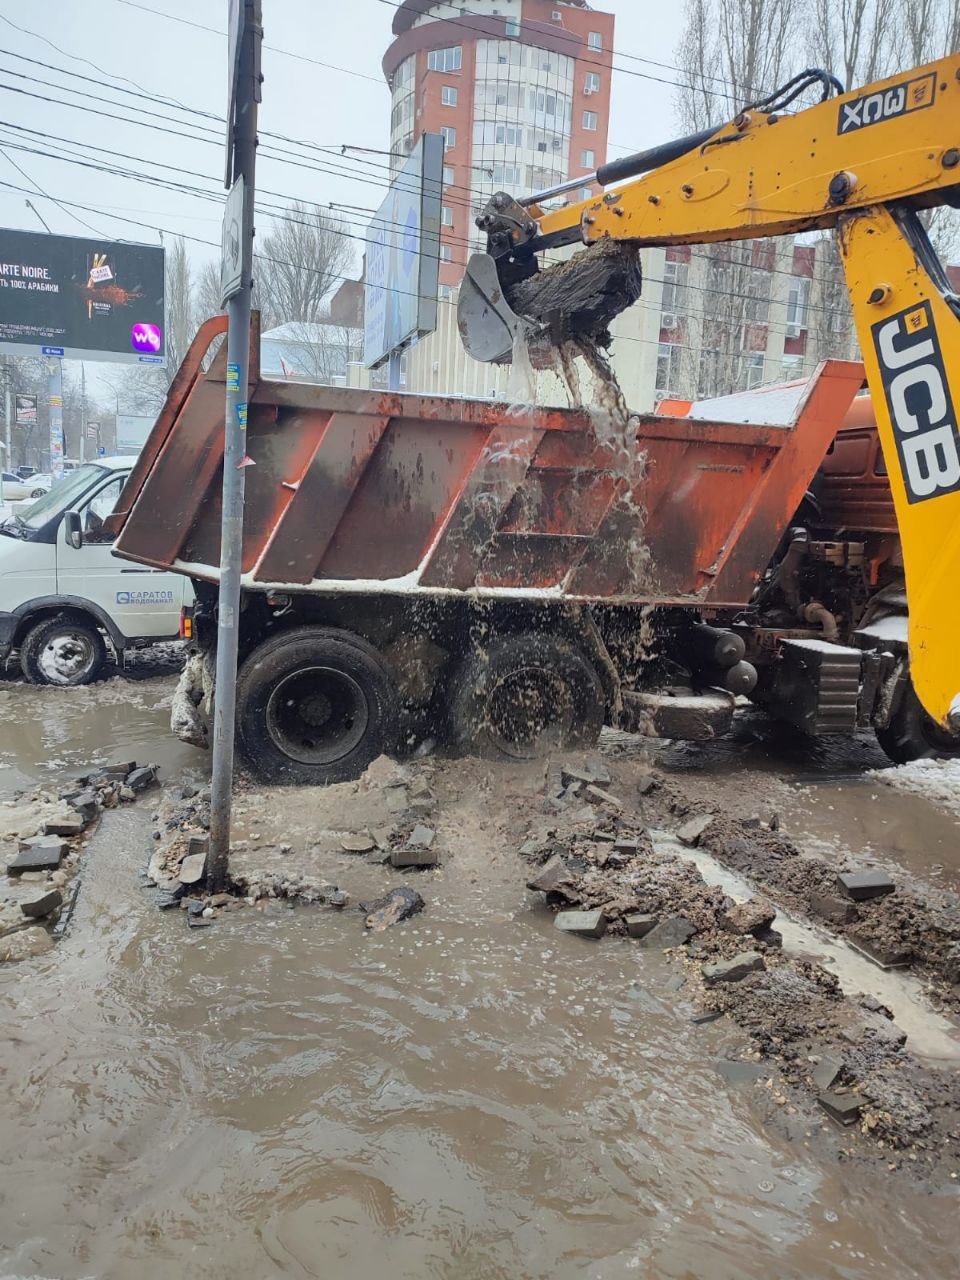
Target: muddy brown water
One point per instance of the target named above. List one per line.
(467, 1095)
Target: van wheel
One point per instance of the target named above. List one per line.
(65, 651)
(315, 705)
(524, 697)
(913, 735)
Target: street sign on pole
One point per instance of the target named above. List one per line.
(231, 258)
(236, 276)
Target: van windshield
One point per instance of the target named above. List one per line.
(68, 493)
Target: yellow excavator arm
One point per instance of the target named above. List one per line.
(864, 162)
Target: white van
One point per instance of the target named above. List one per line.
(64, 595)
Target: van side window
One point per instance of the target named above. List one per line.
(100, 506)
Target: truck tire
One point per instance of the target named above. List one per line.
(67, 650)
(525, 696)
(315, 705)
(913, 735)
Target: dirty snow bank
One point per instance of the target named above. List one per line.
(936, 780)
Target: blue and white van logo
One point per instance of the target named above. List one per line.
(144, 597)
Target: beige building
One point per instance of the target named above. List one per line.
(708, 323)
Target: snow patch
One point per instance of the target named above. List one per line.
(935, 780)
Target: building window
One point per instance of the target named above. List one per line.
(448, 95)
(586, 193)
(449, 136)
(591, 82)
(557, 16)
(512, 27)
(668, 369)
(594, 40)
(673, 304)
(588, 160)
(446, 215)
(798, 303)
(791, 368)
(590, 121)
(444, 293)
(752, 370)
(446, 253)
(508, 134)
(445, 59)
(448, 176)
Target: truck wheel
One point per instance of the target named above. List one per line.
(524, 697)
(67, 651)
(315, 705)
(912, 734)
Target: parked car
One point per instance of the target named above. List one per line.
(40, 483)
(15, 488)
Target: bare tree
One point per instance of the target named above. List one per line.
(181, 311)
(855, 39)
(207, 292)
(731, 52)
(300, 262)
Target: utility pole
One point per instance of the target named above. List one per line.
(83, 412)
(55, 409)
(236, 280)
(8, 418)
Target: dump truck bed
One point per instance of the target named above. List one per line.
(377, 492)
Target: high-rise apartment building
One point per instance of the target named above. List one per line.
(520, 91)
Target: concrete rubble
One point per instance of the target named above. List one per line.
(43, 835)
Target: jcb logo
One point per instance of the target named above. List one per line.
(912, 95)
(918, 397)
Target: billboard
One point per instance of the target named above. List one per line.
(26, 412)
(81, 299)
(402, 272)
(132, 431)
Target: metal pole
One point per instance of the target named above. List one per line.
(234, 453)
(55, 408)
(8, 410)
(83, 412)
(393, 369)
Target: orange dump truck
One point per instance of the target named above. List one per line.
(511, 580)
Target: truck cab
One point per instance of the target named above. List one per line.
(64, 597)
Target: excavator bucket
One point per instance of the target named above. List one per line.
(485, 319)
(574, 300)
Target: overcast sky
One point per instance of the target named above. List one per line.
(161, 49)
(344, 102)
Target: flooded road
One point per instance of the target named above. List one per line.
(470, 1094)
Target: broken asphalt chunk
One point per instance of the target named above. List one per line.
(733, 970)
(587, 924)
(85, 803)
(673, 931)
(832, 908)
(398, 904)
(694, 829)
(44, 854)
(69, 825)
(192, 868)
(357, 842)
(142, 778)
(827, 1073)
(551, 877)
(639, 925)
(888, 952)
(42, 905)
(753, 916)
(842, 1107)
(863, 885)
(604, 797)
(404, 858)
